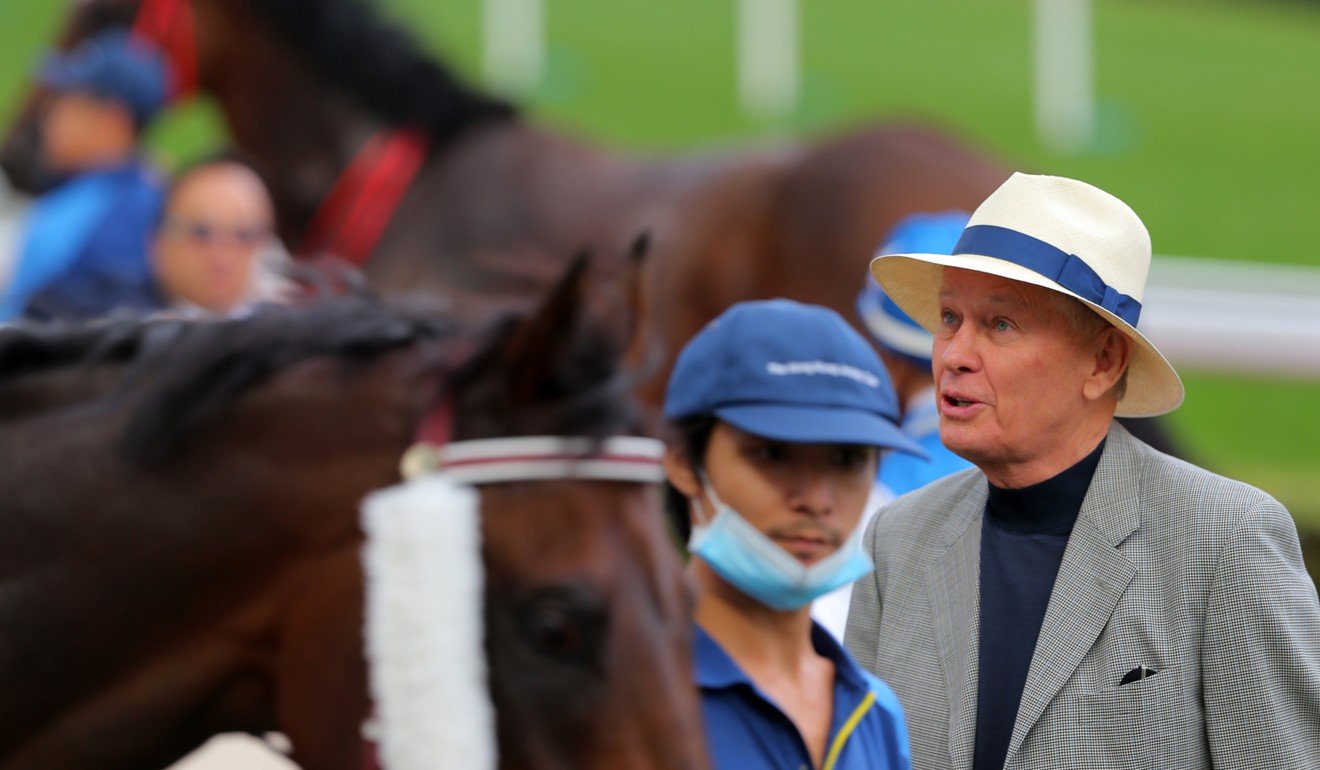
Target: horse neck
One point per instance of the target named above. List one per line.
(299, 133)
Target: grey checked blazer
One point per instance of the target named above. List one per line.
(1168, 565)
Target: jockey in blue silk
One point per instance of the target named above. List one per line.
(84, 247)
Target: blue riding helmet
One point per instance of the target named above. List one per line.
(927, 233)
(112, 65)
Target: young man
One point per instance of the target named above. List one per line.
(782, 410)
(1078, 599)
(84, 246)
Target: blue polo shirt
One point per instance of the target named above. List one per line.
(747, 731)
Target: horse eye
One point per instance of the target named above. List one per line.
(563, 628)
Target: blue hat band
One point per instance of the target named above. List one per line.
(1067, 270)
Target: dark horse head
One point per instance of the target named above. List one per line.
(180, 536)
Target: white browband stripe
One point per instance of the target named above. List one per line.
(535, 458)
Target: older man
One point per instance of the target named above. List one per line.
(215, 239)
(1078, 600)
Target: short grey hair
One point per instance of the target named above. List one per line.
(1086, 323)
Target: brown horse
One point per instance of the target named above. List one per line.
(180, 538)
(304, 85)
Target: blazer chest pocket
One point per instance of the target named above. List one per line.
(1149, 723)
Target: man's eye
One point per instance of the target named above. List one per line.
(772, 452)
(1002, 326)
(948, 318)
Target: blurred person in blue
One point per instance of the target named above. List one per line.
(780, 411)
(905, 348)
(84, 245)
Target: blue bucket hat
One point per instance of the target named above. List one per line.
(112, 65)
(927, 233)
(790, 372)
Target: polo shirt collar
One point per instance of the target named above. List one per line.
(716, 670)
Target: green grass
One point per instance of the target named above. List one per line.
(1210, 128)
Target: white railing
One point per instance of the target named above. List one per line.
(1246, 317)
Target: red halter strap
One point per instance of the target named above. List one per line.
(352, 218)
(171, 25)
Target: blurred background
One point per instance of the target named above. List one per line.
(1201, 114)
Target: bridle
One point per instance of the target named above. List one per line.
(352, 217)
(538, 458)
(425, 633)
(171, 25)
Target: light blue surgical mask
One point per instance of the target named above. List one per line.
(756, 565)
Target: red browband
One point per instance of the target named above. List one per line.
(352, 218)
(171, 25)
(354, 214)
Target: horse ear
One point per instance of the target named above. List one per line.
(641, 246)
(547, 336)
(644, 351)
(636, 267)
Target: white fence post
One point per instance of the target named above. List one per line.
(513, 54)
(1064, 77)
(768, 59)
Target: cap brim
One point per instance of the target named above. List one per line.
(819, 425)
(913, 282)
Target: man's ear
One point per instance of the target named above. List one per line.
(681, 473)
(1113, 354)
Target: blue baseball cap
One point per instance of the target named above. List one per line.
(790, 372)
(928, 233)
(112, 65)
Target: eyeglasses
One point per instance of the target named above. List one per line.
(207, 234)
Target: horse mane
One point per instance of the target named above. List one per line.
(586, 392)
(210, 364)
(179, 371)
(179, 374)
(350, 46)
(32, 349)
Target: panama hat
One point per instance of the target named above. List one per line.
(1063, 235)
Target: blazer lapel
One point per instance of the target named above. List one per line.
(952, 584)
(1092, 578)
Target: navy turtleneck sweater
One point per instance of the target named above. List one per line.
(1023, 536)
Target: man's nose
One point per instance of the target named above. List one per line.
(815, 494)
(958, 353)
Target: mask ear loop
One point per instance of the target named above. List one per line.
(700, 506)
